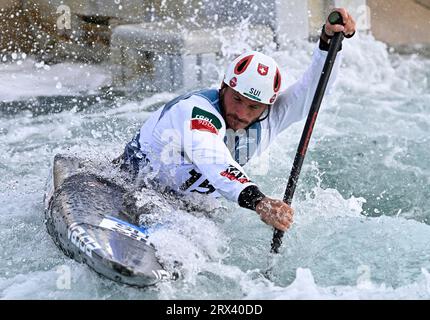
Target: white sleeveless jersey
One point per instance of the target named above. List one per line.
(188, 148)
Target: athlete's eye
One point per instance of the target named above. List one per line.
(254, 107)
(237, 99)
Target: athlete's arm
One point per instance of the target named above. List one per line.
(294, 103)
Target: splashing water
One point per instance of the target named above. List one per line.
(361, 227)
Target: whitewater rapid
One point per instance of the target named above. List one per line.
(361, 228)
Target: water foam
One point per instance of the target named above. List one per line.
(331, 252)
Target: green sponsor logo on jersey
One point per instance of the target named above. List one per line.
(204, 115)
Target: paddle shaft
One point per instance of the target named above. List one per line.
(335, 44)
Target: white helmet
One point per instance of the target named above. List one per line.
(255, 76)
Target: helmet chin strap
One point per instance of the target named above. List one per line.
(265, 117)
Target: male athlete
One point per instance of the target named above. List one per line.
(199, 142)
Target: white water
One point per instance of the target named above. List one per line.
(27, 78)
(361, 227)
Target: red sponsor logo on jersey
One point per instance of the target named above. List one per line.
(235, 174)
(204, 121)
(262, 69)
(203, 125)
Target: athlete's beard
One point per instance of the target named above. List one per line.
(232, 116)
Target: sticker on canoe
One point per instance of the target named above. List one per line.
(82, 240)
(124, 228)
(204, 121)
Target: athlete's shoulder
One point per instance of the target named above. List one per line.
(204, 99)
(201, 109)
(203, 119)
(207, 108)
(202, 102)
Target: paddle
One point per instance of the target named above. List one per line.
(335, 43)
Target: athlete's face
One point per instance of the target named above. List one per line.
(239, 111)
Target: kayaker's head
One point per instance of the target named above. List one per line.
(251, 85)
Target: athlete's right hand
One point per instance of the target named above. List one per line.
(275, 213)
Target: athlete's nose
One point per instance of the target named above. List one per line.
(241, 111)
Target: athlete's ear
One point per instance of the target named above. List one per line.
(223, 88)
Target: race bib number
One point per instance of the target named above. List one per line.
(197, 183)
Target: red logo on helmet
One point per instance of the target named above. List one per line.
(262, 69)
(272, 99)
(277, 81)
(243, 64)
(233, 82)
